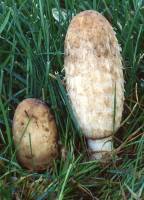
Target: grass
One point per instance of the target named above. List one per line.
(31, 65)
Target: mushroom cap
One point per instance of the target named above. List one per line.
(94, 75)
(35, 134)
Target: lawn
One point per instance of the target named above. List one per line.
(31, 65)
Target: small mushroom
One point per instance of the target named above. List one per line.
(94, 79)
(35, 135)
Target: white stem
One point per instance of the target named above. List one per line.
(100, 147)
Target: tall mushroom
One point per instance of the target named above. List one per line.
(35, 135)
(94, 79)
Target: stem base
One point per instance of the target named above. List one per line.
(100, 148)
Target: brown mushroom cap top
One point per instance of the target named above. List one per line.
(94, 75)
(35, 134)
(92, 28)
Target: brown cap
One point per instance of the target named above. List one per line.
(35, 134)
(94, 75)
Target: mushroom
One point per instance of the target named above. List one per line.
(94, 79)
(35, 135)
